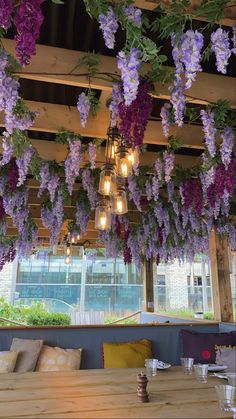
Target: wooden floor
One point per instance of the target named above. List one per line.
(107, 394)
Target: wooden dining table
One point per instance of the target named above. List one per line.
(109, 393)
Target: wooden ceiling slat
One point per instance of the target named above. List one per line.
(230, 12)
(52, 117)
(54, 65)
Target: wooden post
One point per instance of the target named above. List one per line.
(148, 285)
(220, 274)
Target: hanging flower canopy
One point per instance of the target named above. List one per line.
(176, 208)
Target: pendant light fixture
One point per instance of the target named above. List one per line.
(107, 181)
(119, 202)
(103, 215)
(134, 156)
(123, 162)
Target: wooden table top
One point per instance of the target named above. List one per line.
(107, 394)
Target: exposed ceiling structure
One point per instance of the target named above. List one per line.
(51, 84)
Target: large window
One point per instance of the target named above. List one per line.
(87, 283)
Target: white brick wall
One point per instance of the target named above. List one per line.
(6, 281)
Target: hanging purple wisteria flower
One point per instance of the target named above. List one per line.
(73, 163)
(89, 187)
(221, 48)
(169, 159)
(82, 217)
(92, 153)
(227, 145)
(129, 68)
(7, 151)
(108, 25)
(159, 169)
(114, 104)
(191, 46)
(23, 164)
(13, 121)
(6, 11)
(165, 118)
(83, 106)
(178, 101)
(134, 192)
(133, 14)
(28, 21)
(233, 50)
(210, 131)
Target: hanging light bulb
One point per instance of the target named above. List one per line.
(67, 260)
(67, 250)
(113, 137)
(73, 239)
(107, 182)
(78, 237)
(134, 156)
(103, 216)
(124, 165)
(119, 202)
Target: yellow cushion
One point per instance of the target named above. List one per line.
(8, 361)
(58, 359)
(127, 355)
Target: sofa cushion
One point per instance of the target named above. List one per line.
(8, 361)
(126, 354)
(28, 353)
(226, 356)
(58, 359)
(201, 346)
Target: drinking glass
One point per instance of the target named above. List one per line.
(226, 397)
(201, 371)
(151, 367)
(187, 364)
(231, 378)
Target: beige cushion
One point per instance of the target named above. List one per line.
(28, 353)
(8, 361)
(226, 356)
(58, 359)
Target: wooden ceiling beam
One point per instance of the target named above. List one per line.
(54, 65)
(228, 20)
(52, 117)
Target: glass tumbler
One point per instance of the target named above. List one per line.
(187, 364)
(151, 367)
(201, 371)
(226, 397)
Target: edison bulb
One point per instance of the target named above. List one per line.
(107, 185)
(119, 206)
(67, 251)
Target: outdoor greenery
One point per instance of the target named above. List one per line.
(34, 315)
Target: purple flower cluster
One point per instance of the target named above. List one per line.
(12, 176)
(23, 164)
(190, 55)
(221, 48)
(129, 68)
(134, 192)
(52, 218)
(155, 188)
(192, 195)
(7, 254)
(133, 14)
(114, 104)
(210, 131)
(16, 206)
(13, 121)
(165, 118)
(9, 86)
(7, 151)
(82, 217)
(223, 187)
(92, 154)
(83, 106)
(169, 159)
(178, 101)
(48, 181)
(227, 145)
(234, 39)
(89, 187)
(6, 10)
(148, 190)
(2, 209)
(28, 21)
(134, 118)
(72, 163)
(108, 25)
